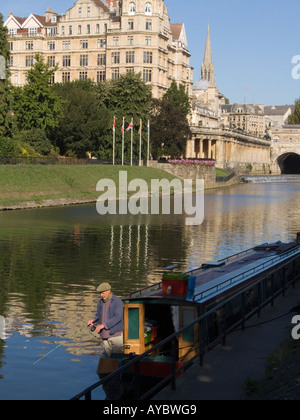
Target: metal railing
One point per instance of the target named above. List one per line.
(45, 160)
(202, 347)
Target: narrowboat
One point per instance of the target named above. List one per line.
(154, 313)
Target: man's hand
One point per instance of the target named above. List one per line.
(91, 322)
(99, 328)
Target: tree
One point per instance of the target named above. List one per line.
(36, 105)
(84, 122)
(169, 125)
(169, 129)
(6, 116)
(127, 97)
(294, 118)
(179, 98)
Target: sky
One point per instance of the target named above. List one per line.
(255, 45)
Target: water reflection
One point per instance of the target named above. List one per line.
(52, 260)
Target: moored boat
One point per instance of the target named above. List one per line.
(228, 291)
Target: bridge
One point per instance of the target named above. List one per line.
(240, 151)
(285, 149)
(230, 148)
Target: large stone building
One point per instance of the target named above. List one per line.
(100, 41)
(248, 118)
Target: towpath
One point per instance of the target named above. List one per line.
(226, 369)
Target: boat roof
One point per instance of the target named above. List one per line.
(215, 277)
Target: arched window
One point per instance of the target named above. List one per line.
(132, 8)
(148, 8)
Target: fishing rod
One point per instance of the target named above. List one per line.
(66, 341)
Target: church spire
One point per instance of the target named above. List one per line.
(208, 68)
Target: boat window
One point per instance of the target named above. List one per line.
(133, 323)
(188, 318)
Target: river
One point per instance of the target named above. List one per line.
(52, 260)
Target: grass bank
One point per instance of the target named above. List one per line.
(25, 186)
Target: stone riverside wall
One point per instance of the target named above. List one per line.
(208, 173)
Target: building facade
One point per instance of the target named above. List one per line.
(101, 41)
(246, 118)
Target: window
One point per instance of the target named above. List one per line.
(29, 45)
(116, 41)
(101, 43)
(132, 8)
(101, 76)
(101, 61)
(66, 61)
(88, 12)
(88, 29)
(148, 25)
(51, 31)
(66, 45)
(51, 45)
(29, 61)
(12, 31)
(130, 24)
(62, 30)
(32, 30)
(79, 29)
(148, 57)
(129, 57)
(70, 30)
(79, 12)
(11, 61)
(83, 75)
(147, 75)
(148, 40)
(84, 60)
(148, 9)
(115, 74)
(84, 44)
(51, 61)
(115, 58)
(97, 28)
(130, 40)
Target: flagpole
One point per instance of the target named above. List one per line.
(131, 152)
(114, 139)
(140, 159)
(123, 128)
(148, 146)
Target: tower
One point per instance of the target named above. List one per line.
(208, 68)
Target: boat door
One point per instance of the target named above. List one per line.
(188, 340)
(134, 321)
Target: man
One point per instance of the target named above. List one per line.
(110, 324)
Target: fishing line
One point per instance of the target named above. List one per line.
(64, 342)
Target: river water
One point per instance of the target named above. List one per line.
(52, 260)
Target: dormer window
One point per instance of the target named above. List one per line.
(148, 9)
(132, 8)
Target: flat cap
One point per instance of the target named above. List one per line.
(104, 287)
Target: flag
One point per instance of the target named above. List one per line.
(148, 126)
(114, 124)
(130, 127)
(141, 125)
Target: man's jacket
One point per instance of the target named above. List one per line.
(115, 316)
